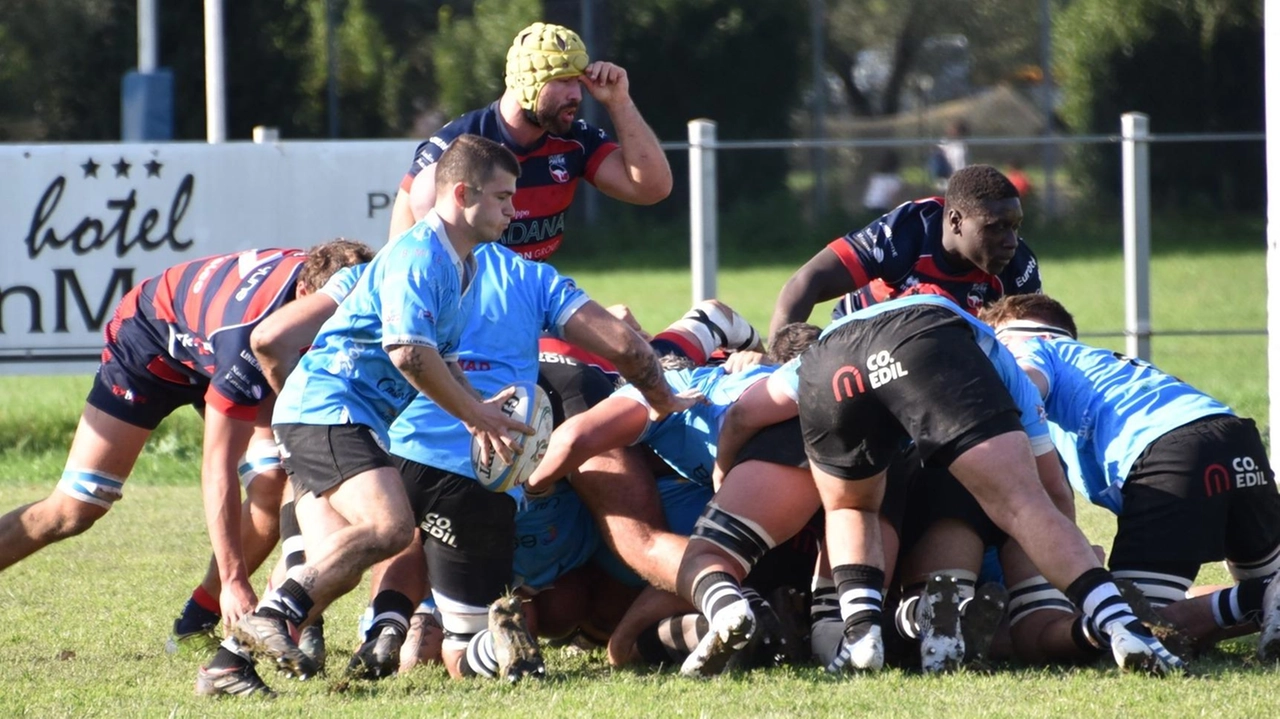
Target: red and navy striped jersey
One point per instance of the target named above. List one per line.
(549, 172)
(201, 313)
(903, 250)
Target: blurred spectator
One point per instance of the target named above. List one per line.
(1019, 178)
(884, 186)
(951, 154)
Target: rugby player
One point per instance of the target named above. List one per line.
(966, 243)
(183, 338)
(470, 531)
(547, 66)
(922, 368)
(392, 338)
(1188, 479)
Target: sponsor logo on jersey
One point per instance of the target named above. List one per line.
(883, 369)
(559, 168)
(845, 381)
(1026, 274)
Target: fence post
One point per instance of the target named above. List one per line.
(1271, 32)
(1135, 161)
(702, 208)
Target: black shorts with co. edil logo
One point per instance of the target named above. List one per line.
(912, 373)
(1200, 493)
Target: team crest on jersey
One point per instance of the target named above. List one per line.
(977, 296)
(559, 168)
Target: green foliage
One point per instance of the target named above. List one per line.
(1193, 66)
(741, 65)
(470, 52)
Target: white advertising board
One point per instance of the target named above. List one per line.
(81, 224)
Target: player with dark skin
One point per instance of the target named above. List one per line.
(976, 234)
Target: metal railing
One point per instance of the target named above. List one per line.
(1134, 139)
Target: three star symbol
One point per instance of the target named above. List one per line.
(121, 167)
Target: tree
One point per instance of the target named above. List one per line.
(1193, 66)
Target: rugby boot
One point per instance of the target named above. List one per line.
(196, 629)
(980, 620)
(237, 681)
(861, 650)
(1136, 650)
(1269, 638)
(1173, 638)
(941, 638)
(515, 649)
(792, 609)
(730, 631)
(766, 646)
(268, 636)
(311, 643)
(378, 657)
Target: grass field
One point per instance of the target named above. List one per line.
(82, 624)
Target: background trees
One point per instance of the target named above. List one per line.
(405, 66)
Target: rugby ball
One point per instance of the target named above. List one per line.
(530, 405)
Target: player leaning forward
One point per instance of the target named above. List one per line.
(391, 339)
(920, 367)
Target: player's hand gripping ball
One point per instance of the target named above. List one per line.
(529, 404)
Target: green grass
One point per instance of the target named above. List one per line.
(83, 623)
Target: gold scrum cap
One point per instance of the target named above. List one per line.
(541, 53)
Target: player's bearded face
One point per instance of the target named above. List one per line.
(557, 106)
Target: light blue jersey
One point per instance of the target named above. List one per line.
(1105, 409)
(343, 281)
(414, 292)
(516, 301)
(1025, 395)
(687, 440)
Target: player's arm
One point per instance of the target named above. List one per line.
(617, 421)
(427, 371)
(1054, 479)
(824, 277)
(282, 336)
(225, 440)
(638, 172)
(414, 203)
(764, 403)
(594, 329)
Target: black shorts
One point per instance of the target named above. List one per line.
(319, 457)
(469, 533)
(912, 373)
(780, 443)
(1201, 493)
(572, 387)
(137, 382)
(927, 495)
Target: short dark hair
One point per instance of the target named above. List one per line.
(472, 160)
(790, 340)
(970, 187)
(328, 257)
(1037, 307)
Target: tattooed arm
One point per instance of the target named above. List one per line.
(594, 329)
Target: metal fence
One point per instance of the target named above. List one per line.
(1134, 141)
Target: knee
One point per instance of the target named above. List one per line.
(65, 518)
(390, 536)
